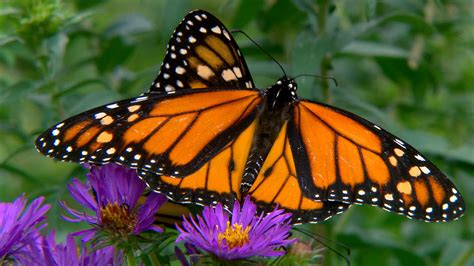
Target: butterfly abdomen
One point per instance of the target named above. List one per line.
(273, 114)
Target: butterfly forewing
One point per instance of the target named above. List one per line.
(167, 134)
(202, 54)
(342, 157)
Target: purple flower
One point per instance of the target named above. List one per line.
(19, 229)
(243, 236)
(113, 193)
(52, 254)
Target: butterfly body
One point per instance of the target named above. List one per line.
(276, 104)
(204, 134)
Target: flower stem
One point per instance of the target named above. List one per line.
(325, 67)
(323, 7)
(154, 260)
(325, 64)
(131, 261)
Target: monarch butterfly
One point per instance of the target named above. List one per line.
(204, 134)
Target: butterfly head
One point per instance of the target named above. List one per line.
(288, 84)
(282, 92)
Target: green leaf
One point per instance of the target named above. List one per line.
(364, 48)
(456, 252)
(416, 22)
(127, 26)
(370, 8)
(246, 12)
(307, 54)
(7, 39)
(114, 52)
(80, 103)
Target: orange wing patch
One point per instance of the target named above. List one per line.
(342, 157)
(320, 148)
(345, 126)
(216, 181)
(350, 163)
(276, 184)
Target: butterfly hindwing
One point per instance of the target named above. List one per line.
(342, 157)
(202, 54)
(277, 184)
(170, 134)
(217, 181)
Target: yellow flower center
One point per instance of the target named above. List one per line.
(116, 219)
(234, 235)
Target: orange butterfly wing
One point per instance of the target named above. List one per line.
(169, 134)
(217, 181)
(277, 184)
(342, 157)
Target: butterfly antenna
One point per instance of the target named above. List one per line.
(260, 47)
(316, 76)
(318, 239)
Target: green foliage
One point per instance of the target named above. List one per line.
(406, 65)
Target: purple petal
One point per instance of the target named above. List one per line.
(81, 194)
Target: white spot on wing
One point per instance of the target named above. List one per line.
(169, 88)
(237, 72)
(425, 169)
(453, 198)
(420, 158)
(217, 30)
(180, 70)
(228, 75)
(205, 72)
(226, 34)
(139, 99)
(399, 142)
(99, 115)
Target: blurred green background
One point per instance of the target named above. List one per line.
(405, 65)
